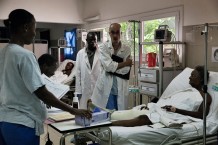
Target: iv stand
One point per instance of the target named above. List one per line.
(205, 33)
(134, 35)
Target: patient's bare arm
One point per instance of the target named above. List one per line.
(138, 121)
(196, 114)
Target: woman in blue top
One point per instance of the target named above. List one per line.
(22, 89)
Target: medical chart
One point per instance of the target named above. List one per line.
(57, 89)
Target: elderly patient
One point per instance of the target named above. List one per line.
(193, 95)
(68, 68)
(61, 76)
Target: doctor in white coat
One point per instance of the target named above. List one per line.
(112, 91)
(87, 69)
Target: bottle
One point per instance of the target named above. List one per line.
(75, 102)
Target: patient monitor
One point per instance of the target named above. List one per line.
(162, 34)
(170, 57)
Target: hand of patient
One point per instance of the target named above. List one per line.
(169, 108)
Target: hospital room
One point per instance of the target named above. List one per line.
(109, 72)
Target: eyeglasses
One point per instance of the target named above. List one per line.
(115, 32)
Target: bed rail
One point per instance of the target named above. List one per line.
(194, 140)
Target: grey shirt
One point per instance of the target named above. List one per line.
(90, 55)
(19, 77)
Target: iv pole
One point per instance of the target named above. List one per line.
(205, 33)
(134, 35)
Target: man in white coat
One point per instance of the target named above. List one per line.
(111, 91)
(87, 69)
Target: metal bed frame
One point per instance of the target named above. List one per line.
(194, 140)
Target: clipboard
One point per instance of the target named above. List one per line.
(119, 59)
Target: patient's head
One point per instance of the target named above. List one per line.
(68, 68)
(47, 64)
(196, 79)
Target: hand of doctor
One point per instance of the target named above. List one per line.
(169, 108)
(82, 112)
(128, 61)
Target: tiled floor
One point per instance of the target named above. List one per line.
(54, 137)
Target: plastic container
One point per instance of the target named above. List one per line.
(151, 59)
(75, 102)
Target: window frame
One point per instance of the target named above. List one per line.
(176, 12)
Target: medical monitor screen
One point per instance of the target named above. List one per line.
(160, 34)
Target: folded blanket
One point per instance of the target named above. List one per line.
(170, 123)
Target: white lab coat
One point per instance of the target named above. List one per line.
(105, 81)
(86, 76)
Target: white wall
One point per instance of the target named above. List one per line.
(195, 11)
(200, 11)
(55, 11)
(109, 9)
(73, 11)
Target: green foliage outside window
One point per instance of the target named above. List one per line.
(127, 37)
(149, 29)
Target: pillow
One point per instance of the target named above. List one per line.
(181, 82)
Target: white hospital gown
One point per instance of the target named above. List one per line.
(189, 99)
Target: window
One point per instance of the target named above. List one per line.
(149, 22)
(128, 37)
(149, 28)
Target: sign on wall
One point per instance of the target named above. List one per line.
(214, 55)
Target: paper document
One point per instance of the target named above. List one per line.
(61, 116)
(57, 89)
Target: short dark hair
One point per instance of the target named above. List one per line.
(90, 34)
(18, 18)
(46, 59)
(200, 70)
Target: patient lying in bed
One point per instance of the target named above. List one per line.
(61, 76)
(187, 109)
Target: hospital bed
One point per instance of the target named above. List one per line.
(63, 78)
(153, 136)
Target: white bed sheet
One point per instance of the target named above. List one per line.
(150, 136)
